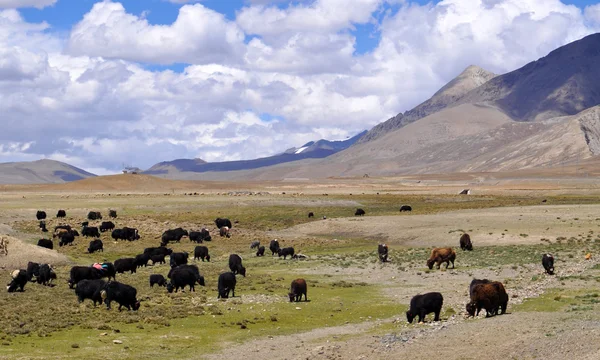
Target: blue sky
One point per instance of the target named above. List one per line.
(101, 87)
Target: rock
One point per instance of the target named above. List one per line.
(117, 342)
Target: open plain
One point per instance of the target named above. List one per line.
(356, 307)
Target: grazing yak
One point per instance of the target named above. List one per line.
(173, 235)
(274, 247)
(112, 213)
(94, 272)
(66, 239)
(106, 225)
(123, 294)
(260, 251)
(19, 279)
(488, 295)
(33, 271)
(158, 280)
(160, 259)
(222, 222)
(297, 289)
(440, 255)
(45, 243)
(224, 231)
(95, 245)
(46, 275)
(226, 284)
(421, 305)
(40, 215)
(359, 212)
(405, 208)
(382, 250)
(201, 252)
(161, 250)
(61, 214)
(180, 258)
(90, 231)
(142, 260)
(255, 244)
(285, 252)
(183, 276)
(548, 263)
(90, 289)
(299, 257)
(200, 236)
(125, 233)
(311, 215)
(465, 242)
(235, 265)
(94, 215)
(125, 264)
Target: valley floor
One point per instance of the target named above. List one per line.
(356, 308)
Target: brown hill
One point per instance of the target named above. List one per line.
(41, 171)
(123, 183)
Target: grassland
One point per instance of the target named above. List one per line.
(346, 284)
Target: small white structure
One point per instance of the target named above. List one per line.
(131, 170)
(465, 192)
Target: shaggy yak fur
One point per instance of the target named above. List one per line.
(440, 255)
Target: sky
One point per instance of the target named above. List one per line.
(102, 84)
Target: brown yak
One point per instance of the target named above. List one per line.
(440, 255)
(490, 296)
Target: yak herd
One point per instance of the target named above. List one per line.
(89, 283)
(97, 282)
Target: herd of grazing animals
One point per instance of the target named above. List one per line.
(89, 283)
(97, 282)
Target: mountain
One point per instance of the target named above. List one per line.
(565, 82)
(471, 78)
(543, 115)
(311, 150)
(41, 171)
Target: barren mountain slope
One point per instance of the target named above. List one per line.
(471, 78)
(41, 171)
(565, 82)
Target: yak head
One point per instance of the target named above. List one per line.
(430, 263)
(410, 316)
(170, 287)
(292, 296)
(471, 308)
(242, 271)
(201, 281)
(136, 305)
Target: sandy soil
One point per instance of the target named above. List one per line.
(486, 227)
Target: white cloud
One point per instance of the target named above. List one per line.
(87, 101)
(14, 4)
(592, 13)
(198, 36)
(183, 1)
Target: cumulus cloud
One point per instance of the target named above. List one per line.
(14, 4)
(87, 99)
(199, 35)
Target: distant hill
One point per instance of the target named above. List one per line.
(311, 150)
(40, 172)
